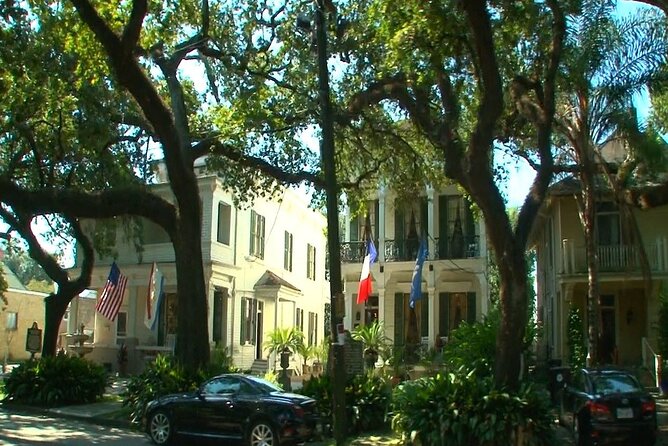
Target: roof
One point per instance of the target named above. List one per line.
(271, 279)
(13, 281)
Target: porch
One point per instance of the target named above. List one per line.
(615, 258)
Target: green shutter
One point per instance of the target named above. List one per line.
(354, 230)
(399, 319)
(375, 235)
(442, 227)
(252, 233)
(424, 315)
(399, 230)
(443, 314)
(242, 331)
(424, 218)
(217, 316)
(470, 307)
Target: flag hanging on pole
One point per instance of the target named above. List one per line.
(112, 294)
(416, 281)
(365, 288)
(156, 286)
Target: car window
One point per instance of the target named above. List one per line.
(578, 382)
(219, 386)
(607, 384)
(264, 385)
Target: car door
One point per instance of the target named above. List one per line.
(217, 407)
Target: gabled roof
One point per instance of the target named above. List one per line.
(271, 279)
(13, 281)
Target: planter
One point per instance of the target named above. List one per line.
(370, 358)
(285, 359)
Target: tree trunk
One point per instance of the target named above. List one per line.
(192, 341)
(55, 306)
(513, 296)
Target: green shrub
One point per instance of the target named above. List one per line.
(367, 400)
(57, 380)
(464, 409)
(161, 377)
(575, 338)
(473, 346)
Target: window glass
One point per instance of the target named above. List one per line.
(220, 386)
(224, 219)
(121, 324)
(12, 321)
(622, 383)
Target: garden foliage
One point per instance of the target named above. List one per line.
(463, 409)
(57, 380)
(575, 337)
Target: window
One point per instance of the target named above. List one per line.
(257, 235)
(310, 262)
(249, 311)
(224, 219)
(12, 321)
(608, 224)
(299, 319)
(312, 328)
(121, 324)
(287, 253)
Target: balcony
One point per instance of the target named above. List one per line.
(615, 258)
(405, 250)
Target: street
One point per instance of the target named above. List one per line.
(27, 429)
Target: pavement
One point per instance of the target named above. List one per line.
(109, 412)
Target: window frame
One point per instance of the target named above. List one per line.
(224, 227)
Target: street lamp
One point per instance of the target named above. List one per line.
(337, 368)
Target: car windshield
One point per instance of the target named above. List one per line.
(266, 386)
(621, 383)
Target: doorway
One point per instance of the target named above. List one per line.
(259, 330)
(607, 333)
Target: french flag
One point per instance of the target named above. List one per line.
(365, 278)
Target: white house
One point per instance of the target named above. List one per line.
(264, 268)
(454, 276)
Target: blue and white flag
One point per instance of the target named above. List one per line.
(154, 297)
(416, 281)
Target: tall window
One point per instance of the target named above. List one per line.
(608, 224)
(287, 252)
(121, 325)
(299, 319)
(312, 328)
(310, 262)
(249, 310)
(12, 321)
(257, 235)
(224, 219)
(359, 223)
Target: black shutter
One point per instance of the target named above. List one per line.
(424, 218)
(424, 315)
(252, 233)
(442, 227)
(399, 230)
(399, 319)
(242, 328)
(376, 223)
(443, 314)
(217, 316)
(470, 307)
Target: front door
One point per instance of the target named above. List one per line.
(607, 336)
(259, 327)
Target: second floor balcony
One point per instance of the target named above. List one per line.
(616, 258)
(405, 250)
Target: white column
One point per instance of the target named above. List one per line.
(431, 221)
(432, 315)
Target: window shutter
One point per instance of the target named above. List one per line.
(354, 230)
(442, 227)
(470, 307)
(252, 232)
(399, 319)
(443, 314)
(424, 217)
(244, 311)
(424, 316)
(399, 230)
(376, 222)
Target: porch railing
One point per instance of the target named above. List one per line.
(615, 258)
(651, 361)
(405, 250)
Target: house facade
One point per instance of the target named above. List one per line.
(454, 275)
(264, 268)
(628, 303)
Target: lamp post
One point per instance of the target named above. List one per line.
(337, 368)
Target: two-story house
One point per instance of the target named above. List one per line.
(264, 268)
(454, 276)
(628, 307)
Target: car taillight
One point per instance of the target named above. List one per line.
(599, 410)
(648, 407)
(298, 411)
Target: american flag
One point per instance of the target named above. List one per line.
(112, 293)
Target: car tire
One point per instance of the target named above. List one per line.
(578, 436)
(262, 433)
(160, 428)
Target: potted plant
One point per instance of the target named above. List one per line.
(306, 352)
(284, 342)
(374, 340)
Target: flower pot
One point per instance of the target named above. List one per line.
(370, 358)
(285, 359)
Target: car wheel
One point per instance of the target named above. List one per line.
(160, 428)
(262, 434)
(579, 436)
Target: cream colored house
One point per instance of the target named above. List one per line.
(454, 275)
(264, 268)
(628, 314)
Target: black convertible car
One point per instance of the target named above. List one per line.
(236, 407)
(608, 406)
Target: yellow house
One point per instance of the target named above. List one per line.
(628, 308)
